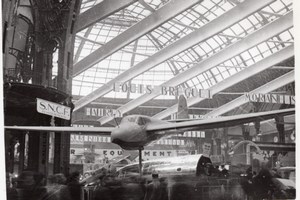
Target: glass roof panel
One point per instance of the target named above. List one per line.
(180, 26)
(87, 4)
(250, 57)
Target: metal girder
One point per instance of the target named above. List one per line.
(253, 39)
(270, 30)
(81, 45)
(269, 87)
(99, 12)
(231, 17)
(160, 16)
(256, 68)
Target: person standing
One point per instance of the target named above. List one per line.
(11, 192)
(74, 187)
(155, 190)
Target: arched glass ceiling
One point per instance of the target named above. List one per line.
(180, 26)
(87, 4)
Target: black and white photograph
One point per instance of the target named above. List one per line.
(148, 100)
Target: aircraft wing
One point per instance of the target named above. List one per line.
(96, 130)
(221, 122)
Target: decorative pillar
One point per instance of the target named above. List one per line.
(54, 29)
(33, 151)
(38, 152)
(61, 150)
(66, 49)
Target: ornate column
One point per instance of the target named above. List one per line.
(54, 24)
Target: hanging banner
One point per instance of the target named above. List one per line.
(53, 109)
(162, 90)
(271, 98)
(113, 153)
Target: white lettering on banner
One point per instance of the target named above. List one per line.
(196, 134)
(271, 98)
(101, 112)
(53, 109)
(163, 90)
(112, 153)
(151, 154)
(109, 153)
(174, 116)
(202, 117)
(82, 125)
(76, 139)
(80, 139)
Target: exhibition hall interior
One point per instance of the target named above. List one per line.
(149, 99)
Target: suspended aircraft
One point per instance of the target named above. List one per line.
(136, 131)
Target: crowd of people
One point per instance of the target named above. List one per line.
(133, 188)
(158, 187)
(34, 186)
(266, 184)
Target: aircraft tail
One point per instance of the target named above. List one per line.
(182, 112)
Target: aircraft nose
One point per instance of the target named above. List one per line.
(116, 135)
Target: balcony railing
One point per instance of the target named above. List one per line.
(16, 75)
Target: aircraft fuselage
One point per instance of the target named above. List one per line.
(131, 133)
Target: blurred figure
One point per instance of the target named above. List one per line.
(74, 186)
(249, 173)
(57, 190)
(11, 192)
(259, 186)
(102, 191)
(59, 179)
(179, 189)
(25, 180)
(113, 188)
(105, 160)
(224, 171)
(204, 166)
(133, 188)
(164, 188)
(247, 184)
(155, 190)
(31, 185)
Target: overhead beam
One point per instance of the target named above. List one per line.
(82, 43)
(268, 87)
(270, 30)
(283, 67)
(99, 12)
(160, 16)
(226, 20)
(252, 70)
